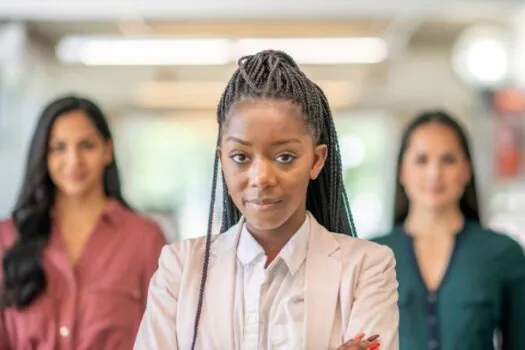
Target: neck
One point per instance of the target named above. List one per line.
(84, 205)
(434, 223)
(272, 241)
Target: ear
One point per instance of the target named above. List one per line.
(467, 174)
(218, 153)
(401, 175)
(320, 154)
(108, 152)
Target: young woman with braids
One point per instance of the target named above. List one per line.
(76, 261)
(278, 277)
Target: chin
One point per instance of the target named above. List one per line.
(439, 204)
(74, 190)
(266, 221)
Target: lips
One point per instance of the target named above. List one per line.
(76, 177)
(263, 201)
(263, 204)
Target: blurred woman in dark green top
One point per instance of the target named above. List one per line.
(461, 286)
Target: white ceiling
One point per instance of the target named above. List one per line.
(419, 25)
(107, 10)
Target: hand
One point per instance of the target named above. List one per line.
(360, 343)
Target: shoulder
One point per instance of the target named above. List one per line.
(362, 249)
(137, 223)
(390, 239)
(367, 264)
(192, 250)
(495, 239)
(354, 252)
(506, 252)
(488, 242)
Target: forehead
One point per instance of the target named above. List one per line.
(73, 124)
(266, 119)
(434, 136)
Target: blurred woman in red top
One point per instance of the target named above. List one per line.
(76, 260)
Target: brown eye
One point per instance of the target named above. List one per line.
(449, 159)
(421, 159)
(57, 147)
(87, 145)
(286, 158)
(239, 158)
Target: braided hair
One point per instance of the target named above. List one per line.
(274, 75)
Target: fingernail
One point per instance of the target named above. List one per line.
(374, 337)
(374, 346)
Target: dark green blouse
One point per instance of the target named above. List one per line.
(482, 292)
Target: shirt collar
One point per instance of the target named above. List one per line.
(293, 253)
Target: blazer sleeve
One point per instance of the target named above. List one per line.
(158, 328)
(513, 315)
(375, 309)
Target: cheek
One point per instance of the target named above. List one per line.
(411, 176)
(95, 162)
(457, 178)
(53, 165)
(296, 181)
(233, 176)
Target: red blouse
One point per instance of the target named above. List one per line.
(96, 304)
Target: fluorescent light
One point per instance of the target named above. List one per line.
(320, 50)
(219, 51)
(481, 56)
(139, 52)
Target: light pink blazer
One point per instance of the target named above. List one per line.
(351, 286)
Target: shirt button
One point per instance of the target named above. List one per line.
(136, 294)
(64, 331)
(432, 320)
(433, 344)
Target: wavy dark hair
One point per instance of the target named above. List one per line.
(274, 75)
(469, 201)
(24, 277)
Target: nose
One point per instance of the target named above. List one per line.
(435, 170)
(262, 174)
(73, 156)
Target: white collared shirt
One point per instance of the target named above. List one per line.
(270, 310)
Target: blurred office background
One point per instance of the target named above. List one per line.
(158, 67)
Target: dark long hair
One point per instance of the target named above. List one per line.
(274, 75)
(469, 201)
(24, 278)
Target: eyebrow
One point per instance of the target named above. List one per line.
(276, 143)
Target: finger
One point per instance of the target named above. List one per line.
(358, 337)
(374, 346)
(372, 338)
(352, 344)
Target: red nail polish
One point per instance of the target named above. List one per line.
(372, 338)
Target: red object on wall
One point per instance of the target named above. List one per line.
(508, 155)
(509, 105)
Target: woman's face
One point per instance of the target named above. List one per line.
(434, 170)
(268, 157)
(77, 155)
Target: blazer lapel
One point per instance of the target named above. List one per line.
(323, 276)
(220, 288)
